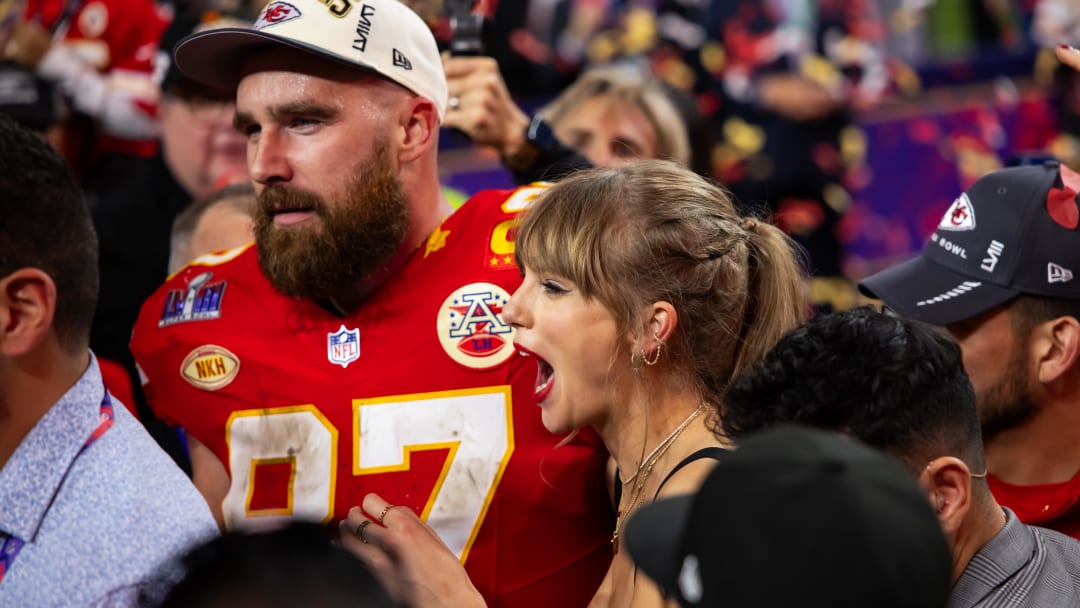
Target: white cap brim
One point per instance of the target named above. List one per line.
(215, 58)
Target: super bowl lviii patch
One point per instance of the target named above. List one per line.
(210, 367)
(199, 302)
(471, 328)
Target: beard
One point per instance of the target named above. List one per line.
(352, 239)
(1008, 403)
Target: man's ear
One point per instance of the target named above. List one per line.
(1055, 346)
(948, 481)
(27, 307)
(419, 121)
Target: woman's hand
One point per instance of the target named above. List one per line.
(408, 557)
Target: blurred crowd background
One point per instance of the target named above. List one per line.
(923, 96)
(939, 92)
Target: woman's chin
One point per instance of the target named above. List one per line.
(555, 424)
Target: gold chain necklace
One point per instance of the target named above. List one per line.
(646, 469)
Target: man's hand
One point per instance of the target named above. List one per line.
(481, 107)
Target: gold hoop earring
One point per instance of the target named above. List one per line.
(656, 356)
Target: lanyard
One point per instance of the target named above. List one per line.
(11, 545)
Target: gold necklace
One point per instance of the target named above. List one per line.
(646, 469)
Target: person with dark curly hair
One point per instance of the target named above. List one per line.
(899, 385)
(296, 565)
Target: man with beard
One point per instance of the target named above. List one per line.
(998, 274)
(358, 346)
(899, 385)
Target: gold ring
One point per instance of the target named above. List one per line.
(382, 515)
(360, 530)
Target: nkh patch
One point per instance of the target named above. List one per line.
(343, 346)
(210, 367)
(471, 329)
(201, 301)
(959, 216)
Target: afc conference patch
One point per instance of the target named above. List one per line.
(471, 328)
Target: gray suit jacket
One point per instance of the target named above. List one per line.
(1023, 566)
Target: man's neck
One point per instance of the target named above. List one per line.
(347, 300)
(984, 521)
(1043, 449)
(428, 220)
(29, 387)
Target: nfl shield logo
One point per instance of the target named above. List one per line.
(343, 346)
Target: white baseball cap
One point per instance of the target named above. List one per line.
(383, 36)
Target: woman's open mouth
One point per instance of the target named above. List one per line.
(545, 375)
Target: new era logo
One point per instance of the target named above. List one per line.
(1057, 274)
(402, 61)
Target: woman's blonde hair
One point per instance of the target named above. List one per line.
(632, 87)
(654, 231)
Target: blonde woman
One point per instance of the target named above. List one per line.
(644, 293)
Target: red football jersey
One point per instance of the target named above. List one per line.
(417, 395)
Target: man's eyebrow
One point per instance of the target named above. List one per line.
(306, 108)
(241, 120)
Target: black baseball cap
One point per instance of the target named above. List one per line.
(797, 517)
(1014, 231)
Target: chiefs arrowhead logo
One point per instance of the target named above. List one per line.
(1062, 202)
(275, 13)
(959, 216)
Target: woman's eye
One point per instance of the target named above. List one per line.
(552, 287)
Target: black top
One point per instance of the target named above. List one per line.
(710, 452)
